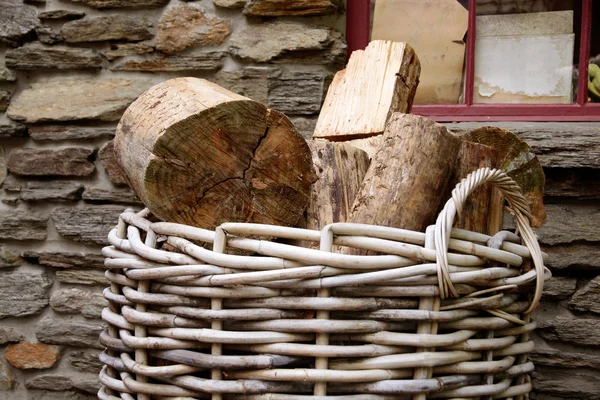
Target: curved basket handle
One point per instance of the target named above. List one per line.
(518, 207)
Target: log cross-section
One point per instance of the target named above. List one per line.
(198, 154)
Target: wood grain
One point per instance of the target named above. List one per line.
(405, 183)
(377, 82)
(341, 169)
(198, 154)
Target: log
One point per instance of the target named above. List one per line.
(408, 176)
(378, 81)
(495, 221)
(200, 155)
(477, 210)
(341, 169)
(368, 145)
(520, 163)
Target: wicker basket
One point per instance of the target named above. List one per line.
(439, 315)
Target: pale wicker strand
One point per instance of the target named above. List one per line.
(121, 232)
(141, 355)
(365, 338)
(520, 209)
(426, 303)
(322, 339)
(217, 304)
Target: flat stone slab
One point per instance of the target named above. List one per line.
(89, 224)
(31, 191)
(198, 61)
(37, 56)
(187, 25)
(301, 8)
(29, 355)
(65, 259)
(23, 225)
(70, 332)
(103, 4)
(17, 21)
(107, 27)
(82, 277)
(23, 293)
(76, 301)
(70, 161)
(588, 297)
(285, 41)
(71, 99)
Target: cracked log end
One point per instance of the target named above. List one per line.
(200, 155)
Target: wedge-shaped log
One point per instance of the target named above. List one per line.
(378, 81)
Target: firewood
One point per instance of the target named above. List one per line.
(341, 169)
(368, 145)
(520, 163)
(377, 82)
(408, 175)
(476, 211)
(198, 154)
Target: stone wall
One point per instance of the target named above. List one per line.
(68, 69)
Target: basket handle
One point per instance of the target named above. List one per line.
(518, 207)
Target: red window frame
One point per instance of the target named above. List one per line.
(358, 33)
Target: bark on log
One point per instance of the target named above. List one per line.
(408, 176)
(377, 82)
(496, 212)
(198, 154)
(520, 163)
(478, 208)
(341, 169)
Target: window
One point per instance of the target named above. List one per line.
(528, 60)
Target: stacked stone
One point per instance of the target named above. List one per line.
(68, 70)
(567, 355)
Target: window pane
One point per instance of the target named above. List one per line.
(436, 29)
(594, 66)
(525, 51)
(490, 7)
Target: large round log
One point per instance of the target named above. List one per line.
(198, 154)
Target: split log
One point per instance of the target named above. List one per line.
(341, 169)
(378, 81)
(483, 203)
(198, 154)
(520, 163)
(368, 145)
(408, 176)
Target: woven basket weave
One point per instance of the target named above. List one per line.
(439, 314)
